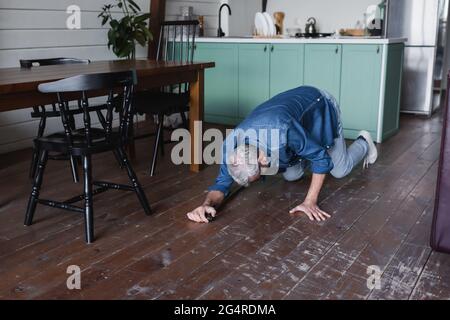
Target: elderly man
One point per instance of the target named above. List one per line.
(305, 133)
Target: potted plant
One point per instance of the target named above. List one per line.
(125, 32)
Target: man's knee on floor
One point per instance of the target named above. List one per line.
(293, 173)
(291, 177)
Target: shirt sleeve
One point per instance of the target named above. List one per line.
(306, 148)
(223, 181)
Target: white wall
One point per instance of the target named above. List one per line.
(37, 29)
(330, 14)
(242, 20)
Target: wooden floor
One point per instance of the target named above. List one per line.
(254, 250)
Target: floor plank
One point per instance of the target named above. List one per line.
(254, 250)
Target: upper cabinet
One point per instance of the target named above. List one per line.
(323, 67)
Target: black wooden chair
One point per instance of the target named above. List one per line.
(43, 113)
(88, 141)
(176, 43)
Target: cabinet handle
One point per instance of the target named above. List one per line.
(337, 50)
(265, 49)
(272, 48)
(378, 49)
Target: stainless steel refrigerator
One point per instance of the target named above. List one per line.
(424, 23)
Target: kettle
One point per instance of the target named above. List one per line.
(311, 26)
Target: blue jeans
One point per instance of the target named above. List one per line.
(344, 159)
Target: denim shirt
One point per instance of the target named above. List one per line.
(307, 126)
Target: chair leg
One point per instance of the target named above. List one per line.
(74, 169)
(88, 199)
(118, 159)
(35, 156)
(158, 138)
(161, 139)
(34, 164)
(32, 202)
(135, 182)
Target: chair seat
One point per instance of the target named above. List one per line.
(155, 103)
(57, 142)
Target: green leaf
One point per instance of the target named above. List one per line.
(129, 30)
(105, 20)
(134, 4)
(142, 18)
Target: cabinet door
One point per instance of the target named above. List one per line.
(254, 76)
(360, 88)
(286, 67)
(221, 82)
(323, 67)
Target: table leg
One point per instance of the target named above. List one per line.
(196, 114)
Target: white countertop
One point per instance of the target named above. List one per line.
(331, 40)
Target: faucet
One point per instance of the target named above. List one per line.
(220, 32)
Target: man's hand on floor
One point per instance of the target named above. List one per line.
(312, 210)
(200, 214)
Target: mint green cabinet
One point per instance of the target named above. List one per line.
(221, 82)
(360, 88)
(392, 89)
(286, 67)
(254, 76)
(323, 67)
(364, 78)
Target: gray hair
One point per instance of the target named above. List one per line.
(243, 164)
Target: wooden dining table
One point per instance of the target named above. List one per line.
(18, 87)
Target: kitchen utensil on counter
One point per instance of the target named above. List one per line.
(292, 32)
(261, 26)
(374, 20)
(311, 26)
(353, 32)
(270, 24)
(313, 35)
(201, 26)
(279, 21)
(186, 11)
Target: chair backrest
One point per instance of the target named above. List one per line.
(177, 41)
(50, 62)
(31, 63)
(113, 82)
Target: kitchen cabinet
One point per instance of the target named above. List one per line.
(247, 75)
(286, 67)
(364, 78)
(360, 88)
(221, 82)
(254, 76)
(323, 67)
